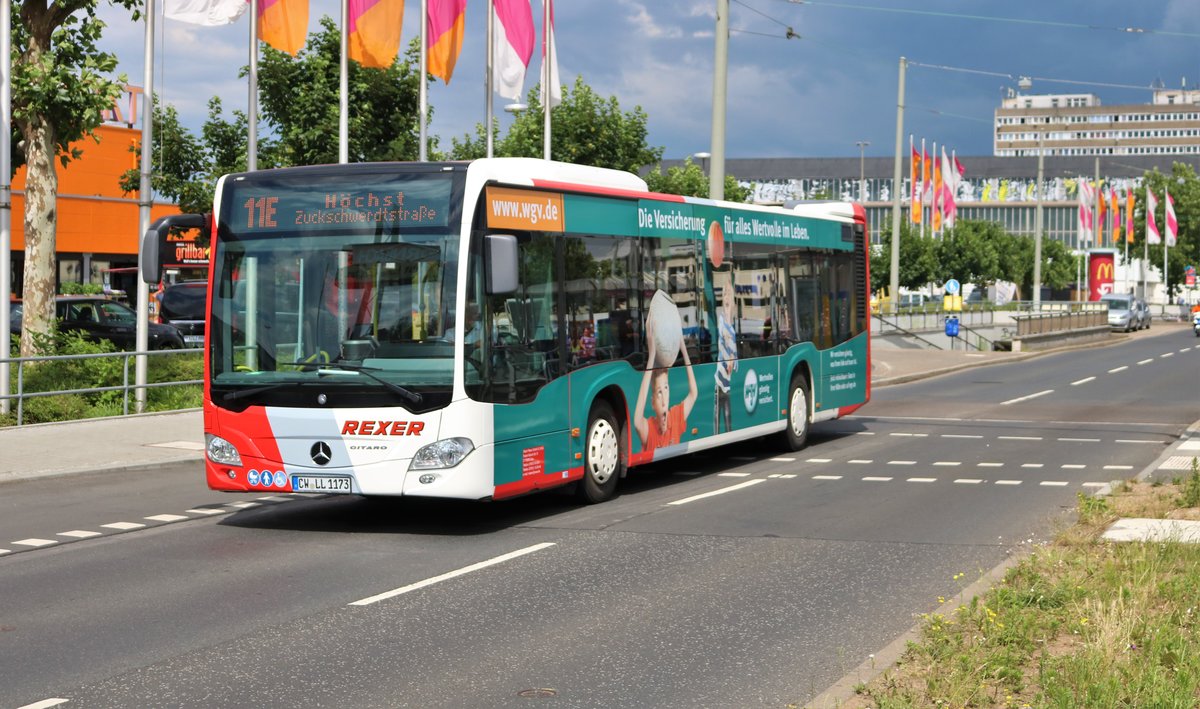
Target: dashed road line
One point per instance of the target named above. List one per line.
(1009, 482)
(1122, 368)
(1083, 381)
(902, 462)
(1026, 398)
(1054, 483)
(1165, 355)
(960, 435)
(968, 481)
(123, 526)
(784, 460)
(1118, 467)
(1073, 466)
(989, 465)
(1136, 440)
(827, 477)
(1033, 465)
(35, 542)
(860, 461)
(876, 479)
(909, 435)
(206, 511)
(721, 491)
(947, 463)
(1079, 440)
(79, 534)
(819, 460)
(166, 518)
(733, 475)
(1018, 438)
(1146, 361)
(921, 480)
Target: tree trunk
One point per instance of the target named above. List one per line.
(41, 225)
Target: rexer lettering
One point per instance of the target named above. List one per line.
(382, 428)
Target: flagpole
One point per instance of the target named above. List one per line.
(488, 69)
(546, 78)
(252, 99)
(145, 201)
(922, 195)
(344, 89)
(5, 195)
(422, 150)
(1166, 243)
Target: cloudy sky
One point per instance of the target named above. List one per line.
(811, 96)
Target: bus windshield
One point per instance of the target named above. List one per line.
(361, 312)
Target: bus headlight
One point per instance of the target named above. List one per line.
(445, 453)
(221, 451)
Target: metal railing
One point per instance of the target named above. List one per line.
(126, 386)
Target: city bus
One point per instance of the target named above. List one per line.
(486, 329)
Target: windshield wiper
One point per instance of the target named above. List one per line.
(243, 393)
(411, 397)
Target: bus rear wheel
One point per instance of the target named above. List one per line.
(795, 435)
(602, 458)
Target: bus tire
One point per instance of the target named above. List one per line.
(603, 455)
(795, 433)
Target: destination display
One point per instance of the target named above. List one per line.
(390, 202)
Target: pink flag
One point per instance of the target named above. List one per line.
(1152, 236)
(949, 188)
(1085, 211)
(1172, 225)
(513, 40)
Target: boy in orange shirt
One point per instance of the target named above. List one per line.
(669, 423)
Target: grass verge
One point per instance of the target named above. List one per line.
(1080, 622)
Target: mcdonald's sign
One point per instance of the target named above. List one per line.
(1101, 273)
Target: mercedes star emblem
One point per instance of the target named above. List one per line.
(321, 453)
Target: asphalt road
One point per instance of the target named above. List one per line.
(737, 578)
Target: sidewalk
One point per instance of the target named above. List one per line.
(145, 440)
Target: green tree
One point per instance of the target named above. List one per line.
(918, 259)
(299, 99)
(689, 179)
(60, 84)
(1185, 191)
(971, 252)
(180, 164)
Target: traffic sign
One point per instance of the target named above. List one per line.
(952, 287)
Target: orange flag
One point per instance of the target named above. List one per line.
(373, 37)
(283, 24)
(445, 35)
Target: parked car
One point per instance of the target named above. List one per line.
(99, 318)
(1122, 311)
(183, 305)
(1143, 314)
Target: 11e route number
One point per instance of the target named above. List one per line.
(265, 206)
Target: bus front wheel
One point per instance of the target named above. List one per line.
(602, 456)
(795, 435)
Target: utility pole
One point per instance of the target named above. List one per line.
(716, 175)
(1037, 225)
(894, 279)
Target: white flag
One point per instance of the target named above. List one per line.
(1172, 223)
(1152, 235)
(513, 39)
(548, 39)
(210, 13)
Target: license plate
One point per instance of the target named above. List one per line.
(197, 340)
(321, 483)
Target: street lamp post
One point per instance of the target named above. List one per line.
(703, 158)
(862, 180)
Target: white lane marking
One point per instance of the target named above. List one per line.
(1094, 484)
(1168, 354)
(960, 435)
(921, 480)
(909, 435)
(872, 479)
(1032, 465)
(1185, 349)
(1054, 483)
(1008, 482)
(45, 703)
(947, 463)
(989, 465)
(1118, 467)
(1122, 368)
(788, 476)
(902, 462)
(205, 511)
(1073, 466)
(784, 460)
(864, 433)
(733, 475)
(968, 481)
(827, 477)
(1083, 381)
(1019, 438)
(451, 574)
(166, 518)
(1146, 361)
(1190, 446)
(243, 505)
(860, 461)
(79, 534)
(4, 551)
(1079, 440)
(819, 460)
(1026, 398)
(123, 525)
(775, 475)
(722, 491)
(1135, 440)
(35, 542)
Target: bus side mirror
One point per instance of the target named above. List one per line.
(150, 256)
(502, 260)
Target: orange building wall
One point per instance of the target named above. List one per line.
(94, 216)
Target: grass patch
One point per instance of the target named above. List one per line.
(1078, 623)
